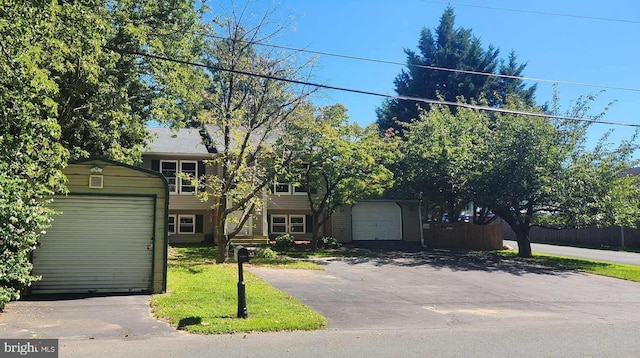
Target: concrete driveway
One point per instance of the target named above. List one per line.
(77, 317)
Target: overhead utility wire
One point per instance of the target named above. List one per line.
(351, 57)
(535, 12)
(344, 89)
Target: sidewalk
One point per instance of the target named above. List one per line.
(621, 257)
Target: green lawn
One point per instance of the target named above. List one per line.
(202, 298)
(626, 272)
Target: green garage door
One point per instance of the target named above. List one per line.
(98, 244)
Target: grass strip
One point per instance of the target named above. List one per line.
(202, 298)
(622, 271)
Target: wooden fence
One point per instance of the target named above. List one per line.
(463, 236)
(615, 237)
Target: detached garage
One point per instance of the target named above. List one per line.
(372, 220)
(110, 235)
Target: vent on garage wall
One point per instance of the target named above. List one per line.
(96, 181)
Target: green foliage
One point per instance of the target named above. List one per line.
(285, 241)
(106, 96)
(267, 253)
(328, 242)
(452, 48)
(437, 159)
(244, 115)
(527, 170)
(30, 156)
(343, 161)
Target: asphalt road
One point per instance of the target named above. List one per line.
(435, 304)
(623, 257)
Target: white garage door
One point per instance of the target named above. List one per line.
(98, 244)
(376, 221)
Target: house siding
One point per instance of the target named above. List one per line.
(410, 221)
(182, 201)
(341, 224)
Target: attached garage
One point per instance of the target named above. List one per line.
(376, 221)
(110, 235)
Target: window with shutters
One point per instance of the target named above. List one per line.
(186, 224)
(279, 224)
(189, 168)
(171, 224)
(169, 168)
(297, 224)
(177, 184)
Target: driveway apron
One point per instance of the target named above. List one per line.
(125, 317)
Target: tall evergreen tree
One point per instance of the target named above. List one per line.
(453, 48)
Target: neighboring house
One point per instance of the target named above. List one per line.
(287, 208)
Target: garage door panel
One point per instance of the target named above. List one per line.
(98, 244)
(376, 221)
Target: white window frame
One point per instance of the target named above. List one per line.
(285, 224)
(296, 192)
(169, 224)
(275, 188)
(187, 182)
(292, 225)
(193, 222)
(175, 184)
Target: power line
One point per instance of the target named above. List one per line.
(536, 12)
(436, 68)
(370, 93)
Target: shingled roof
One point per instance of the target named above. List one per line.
(181, 141)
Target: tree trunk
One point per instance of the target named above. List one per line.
(222, 242)
(524, 245)
(314, 233)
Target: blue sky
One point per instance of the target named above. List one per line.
(555, 47)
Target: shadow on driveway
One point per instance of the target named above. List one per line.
(413, 255)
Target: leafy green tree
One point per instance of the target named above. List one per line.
(246, 111)
(341, 161)
(31, 157)
(437, 159)
(539, 172)
(527, 170)
(107, 90)
(457, 49)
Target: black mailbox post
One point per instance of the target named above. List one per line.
(242, 256)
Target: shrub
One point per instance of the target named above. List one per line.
(267, 253)
(328, 242)
(284, 241)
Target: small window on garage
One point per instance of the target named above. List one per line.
(297, 224)
(186, 224)
(171, 224)
(279, 224)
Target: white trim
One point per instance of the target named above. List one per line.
(175, 219)
(96, 181)
(294, 192)
(193, 222)
(292, 225)
(187, 182)
(285, 224)
(175, 177)
(275, 186)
